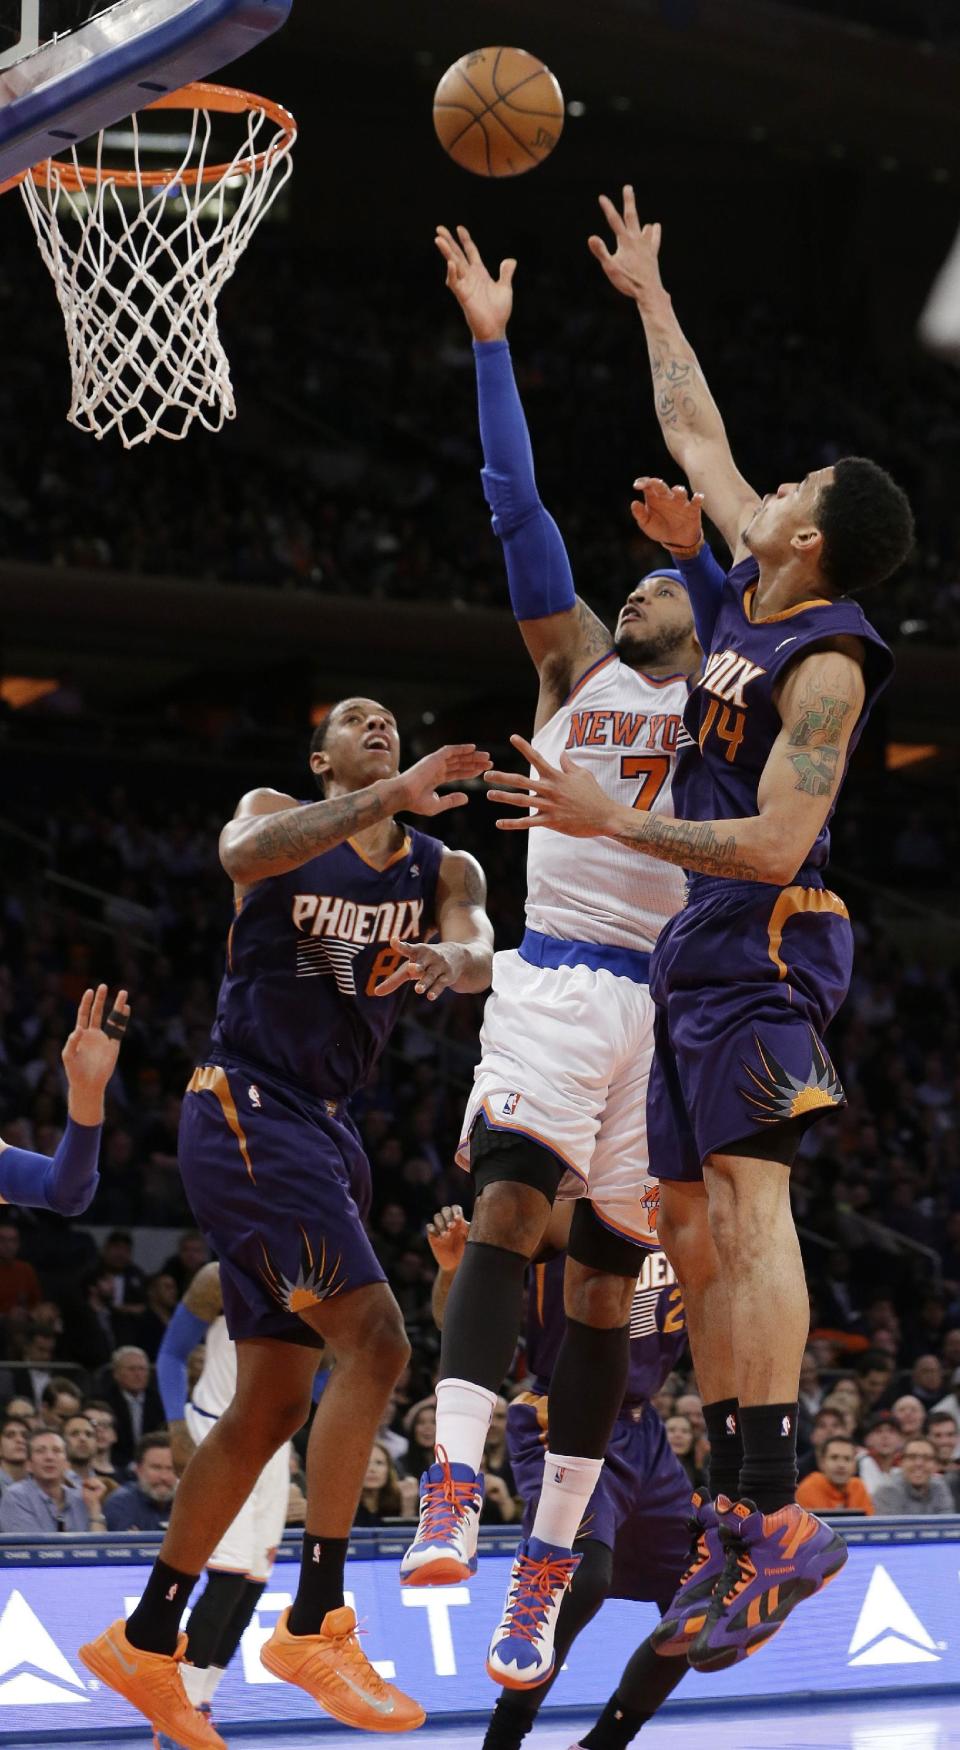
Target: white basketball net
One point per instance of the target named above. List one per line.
(138, 271)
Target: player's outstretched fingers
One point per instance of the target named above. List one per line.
(97, 1006)
(533, 758)
(612, 216)
(84, 1011)
(115, 1025)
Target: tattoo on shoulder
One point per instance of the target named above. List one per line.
(817, 770)
(820, 719)
(474, 890)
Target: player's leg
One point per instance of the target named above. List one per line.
(139, 1659)
(516, 1181)
(685, 1233)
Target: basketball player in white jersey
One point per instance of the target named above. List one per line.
(558, 1105)
(241, 1565)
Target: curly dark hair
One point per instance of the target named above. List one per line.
(866, 523)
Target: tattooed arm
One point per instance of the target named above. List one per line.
(690, 420)
(271, 834)
(819, 704)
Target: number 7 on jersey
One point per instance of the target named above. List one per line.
(654, 769)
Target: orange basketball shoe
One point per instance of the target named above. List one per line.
(334, 1669)
(151, 1683)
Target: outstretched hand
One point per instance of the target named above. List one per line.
(419, 785)
(633, 268)
(486, 302)
(447, 1235)
(568, 799)
(91, 1052)
(429, 967)
(668, 514)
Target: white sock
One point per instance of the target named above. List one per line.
(195, 1680)
(215, 1676)
(568, 1484)
(464, 1412)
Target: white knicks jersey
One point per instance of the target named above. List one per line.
(623, 726)
(215, 1389)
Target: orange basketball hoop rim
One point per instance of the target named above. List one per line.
(217, 99)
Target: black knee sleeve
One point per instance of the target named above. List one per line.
(501, 1156)
(594, 1246)
(481, 1322)
(216, 1605)
(586, 1389)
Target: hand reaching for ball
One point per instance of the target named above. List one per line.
(486, 302)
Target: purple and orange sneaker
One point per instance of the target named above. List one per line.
(686, 1615)
(772, 1562)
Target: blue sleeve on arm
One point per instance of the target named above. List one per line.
(704, 577)
(538, 567)
(65, 1182)
(181, 1336)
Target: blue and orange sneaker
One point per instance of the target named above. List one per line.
(444, 1550)
(772, 1562)
(163, 1741)
(686, 1615)
(521, 1654)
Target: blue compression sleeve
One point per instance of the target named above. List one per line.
(704, 577)
(64, 1183)
(180, 1338)
(538, 568)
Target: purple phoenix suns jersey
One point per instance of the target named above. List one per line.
(658, 1327)
(731, 721)
(306, 951)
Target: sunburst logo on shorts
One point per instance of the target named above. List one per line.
(314, 1284)
(782, 1095)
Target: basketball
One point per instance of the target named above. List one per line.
(498, 112)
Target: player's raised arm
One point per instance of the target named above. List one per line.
(690, 420)
(462, 960)
(447, 1236)
(819, 705)
(270, 834)
(564, 637)
(202, 1303)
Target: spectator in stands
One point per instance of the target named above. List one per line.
(59, 1399)
(500, 1507)
(99, 1413)
(129, 1282)
(915, 1487)
(682, 1440)
(845, 1394)
(875, 1372)
(827, 1422)
(144, 1504)
(396, 1444)
(690, 1404)
(191, 1254)
(884, 1444)
(951, 1403)
(496, 1458)
(36, 1368)
(926, 1380)
(162, 1299)
(381, 1498)
(22, 1409)
(80, 1440)
(420, 1427)
(14, 1452)
(835, 1487)
(44, 1501)
(838, 1304)
(90, 1336)
(134, 1400)
(19, 1282)
(943, 1437)
(910, 1415)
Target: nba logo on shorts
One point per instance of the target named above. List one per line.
(510, 1105)
(253, 1095)
(786, 1427)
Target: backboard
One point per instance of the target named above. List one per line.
(71, 67)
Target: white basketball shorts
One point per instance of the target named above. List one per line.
(249, 1545)
(566, 1055)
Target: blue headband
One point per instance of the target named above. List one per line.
(662, 571)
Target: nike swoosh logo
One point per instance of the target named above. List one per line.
(121, 1659)
(784, 642)
(386, 1707)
